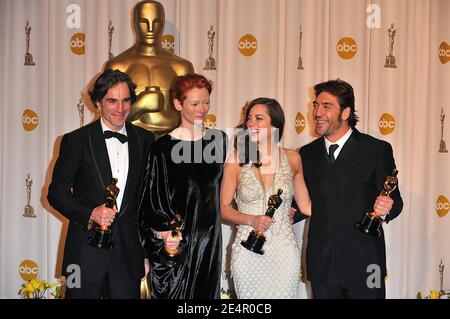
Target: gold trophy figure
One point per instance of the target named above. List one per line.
(255, 239)
(371, 222)
(442, 146)
(390, 59)
(110, 32)
(300, 61)
(29, 210)
(210, 63)
(102, 234)
(441, 273)
(171, 255)
(80, 108)
(28, 56)
(149, 65)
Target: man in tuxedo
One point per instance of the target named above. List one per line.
(89, 158)
(344, 171)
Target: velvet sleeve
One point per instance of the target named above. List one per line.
(155, 210)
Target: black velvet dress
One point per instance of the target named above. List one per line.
(183, 177)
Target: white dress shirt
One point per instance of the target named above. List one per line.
(340, 142)
(118, 158)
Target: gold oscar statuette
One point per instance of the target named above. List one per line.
(210, 63)
(28, 57)
(171, 255)
(110, 33)
(371, 222)
(390, 59)
(255, 239)
(101, 237)
(176, 226)
(442, 145)
(28, 210)
(80, 108)
(443, 294)
(300, 61)
(441, 273)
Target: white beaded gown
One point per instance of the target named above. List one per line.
(276, 273)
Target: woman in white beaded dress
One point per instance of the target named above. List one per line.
(252, 174)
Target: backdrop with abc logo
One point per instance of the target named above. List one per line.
(394, 53)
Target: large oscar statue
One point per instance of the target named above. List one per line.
(255, 239)
(371, 223)
(152, 69)
(102, 234)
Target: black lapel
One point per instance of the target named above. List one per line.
(134, 164)
(99, 152)
(350, 145)
(321, 152)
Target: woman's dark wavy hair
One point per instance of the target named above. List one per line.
(107, 80)
(247, 150)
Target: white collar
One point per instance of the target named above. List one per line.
(340, 142)
(123, 130)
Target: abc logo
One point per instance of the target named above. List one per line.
(442, 206)
(168, 43)
(210, 121)
(444, 52)
(247, 45)
(386, 124)
(30, 120)
(346, 48)
(300, 123)
(28, 270)
(77, 43)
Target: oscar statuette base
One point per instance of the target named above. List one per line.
(210, 64)
(171, 258)
(390, 62)
(370, 225)
(101, 239)
(254, 243)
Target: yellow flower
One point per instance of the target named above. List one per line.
(225, 294)
(434, 294)
(35, 289)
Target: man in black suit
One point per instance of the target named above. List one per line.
(89, 158)
(341, 261)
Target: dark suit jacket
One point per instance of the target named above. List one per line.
(80, 176)
(341, 195)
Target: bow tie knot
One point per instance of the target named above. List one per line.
(121, 137)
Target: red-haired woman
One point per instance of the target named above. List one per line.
(179, 214)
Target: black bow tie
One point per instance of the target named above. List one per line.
(121, 137)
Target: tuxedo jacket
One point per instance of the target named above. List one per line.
(341, 194)
(80, 177)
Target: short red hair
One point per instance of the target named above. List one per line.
(184, 83)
